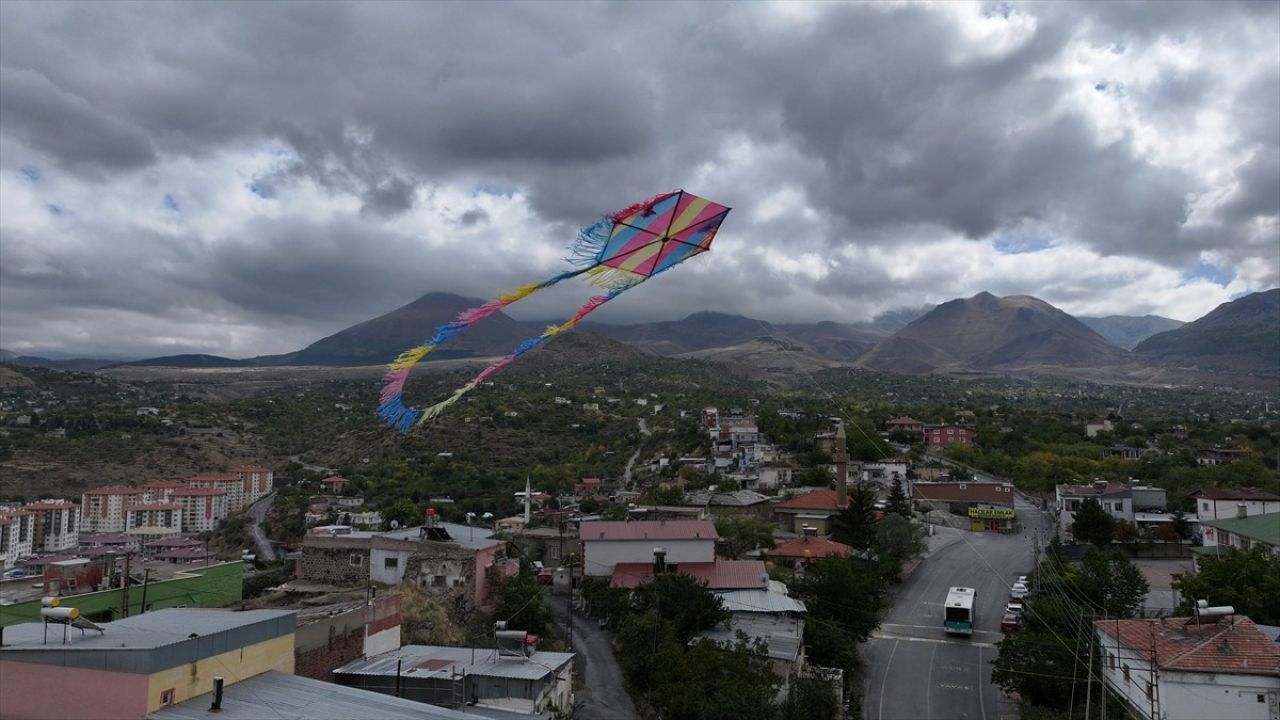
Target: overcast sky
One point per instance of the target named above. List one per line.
(240, 178)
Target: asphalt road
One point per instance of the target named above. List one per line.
(258, 513)
(601, 695)
(917, 672)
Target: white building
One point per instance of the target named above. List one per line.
(1121, 502)
(1178, 669)
(232, 486)
(1219, 503)
(153, 517)
(202, 508)
(1097, 425)
(257, 481)
(607, 543)
(103, 508)
(57, 525)
(16, 530)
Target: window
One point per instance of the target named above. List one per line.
(356, 560)
(1204, 507)
(166, 697)
(390, 563)
(1149, 691)
(1125, 669)
(437, 581)
(1111, 661)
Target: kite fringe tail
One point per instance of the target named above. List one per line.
(641, 206)
(397, 414)
(434, 411)
(590, 243)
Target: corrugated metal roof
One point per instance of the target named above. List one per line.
(290, 697)
(760, 601)
(151, 630)
(484, 662)
(648, 530)
(784, 636)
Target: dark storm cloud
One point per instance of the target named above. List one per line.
(891, 120)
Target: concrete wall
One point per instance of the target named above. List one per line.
(602, 555)
(192, 679)
(36, 692)
(322, 646)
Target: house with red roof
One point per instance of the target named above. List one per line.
(334, 484)
(806, 548)
(813, 509)
(1218, 666)
(605, 543)
(905, 424)
(1221, 503)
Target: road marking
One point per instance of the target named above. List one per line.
(886, 636)
(955, 686)
(928, 703)
(956, 668)
(887, 667)
(982, 705)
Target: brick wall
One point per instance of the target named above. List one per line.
(343, 645)
(327, 561)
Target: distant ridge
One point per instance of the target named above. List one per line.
(188, 361)
(986, 332)
(1127, 331)
(1242, 335)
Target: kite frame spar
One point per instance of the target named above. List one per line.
(617, 252)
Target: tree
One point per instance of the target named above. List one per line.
(1248, 580)
(709, 681)
(404, 512)
(898, 540)
(1112, 584)
(742, 533)
(844, 599)
(855, 524)
(811, 698)
(898, 502)
(1092, 524)
(522, 604)
(682, 601)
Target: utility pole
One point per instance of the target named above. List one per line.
(124, 587)
(1088, 696)
(146, 575)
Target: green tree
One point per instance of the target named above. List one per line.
(855, 524)
(682, 601)
(844, 598)
(898, 540)
(742, 533)
(1248, 580)
(810, 698)
(898, 502)
(404, 512)
(1092, 524)
(522, 604)
(1113, 585)
(712, 682)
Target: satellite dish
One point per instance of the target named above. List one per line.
(487, 516)
(395, 524)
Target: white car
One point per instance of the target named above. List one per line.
(1015, 606)
(1018, 591)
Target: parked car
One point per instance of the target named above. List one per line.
(1023, 580)
(1018, 591)
(1010, 622)
(1015, 606)
(546, 575)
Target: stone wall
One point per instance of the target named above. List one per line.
(335, 560)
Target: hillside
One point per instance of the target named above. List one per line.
(699, 331)
(985, 332)
(1127, 331)
(378, 341)
(1238, 336)
(190, 361)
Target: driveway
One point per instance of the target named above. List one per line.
(602, 695)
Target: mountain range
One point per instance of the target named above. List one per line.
(980, 334)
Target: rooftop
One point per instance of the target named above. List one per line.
(719, 575)
(419, 661)
(292, 697)
(993, 493)
(1244, 493)
(1232, 645)
(809, 547)
(814, 500)
(737, 498)
(760, 601)
(648, 530)
(1262, 528)
(50, 505)
(197, 492)
(114, 490)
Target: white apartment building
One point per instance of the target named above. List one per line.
(154, 517)
(1223, 503)
(202, 508)
(16, 531)
(57, 525)
(1178, 669)
(1119, 501)
(227, 483)
(257, 482)
(607, 543)
(161, 490)
(103, 508)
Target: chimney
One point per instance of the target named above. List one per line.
(217, 695)
(841, 457)
(659, 560)
(1242, 510)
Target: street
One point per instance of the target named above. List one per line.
(258, 513)
(917, 672)
(599, 689)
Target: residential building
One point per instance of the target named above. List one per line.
(330, 636)
(1221, 456)
(17, 531)
(148, 518)
(103, 508)
(202, 507)
(55, 525)
(334, 484)
(1124, 452)
(1241, 533)
(1219, 503)
(1121, 502)
(258, 482)
(607, 543)
(738, 502)
(800, 551)
(989, 506)
(513, 678)
(177, 664)
(1097, 425)
(769, 616)
(719, 574)
(938, 437)
(1181, 669)
(813, 509)
(905, 424)
(161, 490)
(231, 486)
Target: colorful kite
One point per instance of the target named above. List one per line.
(616, 253)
